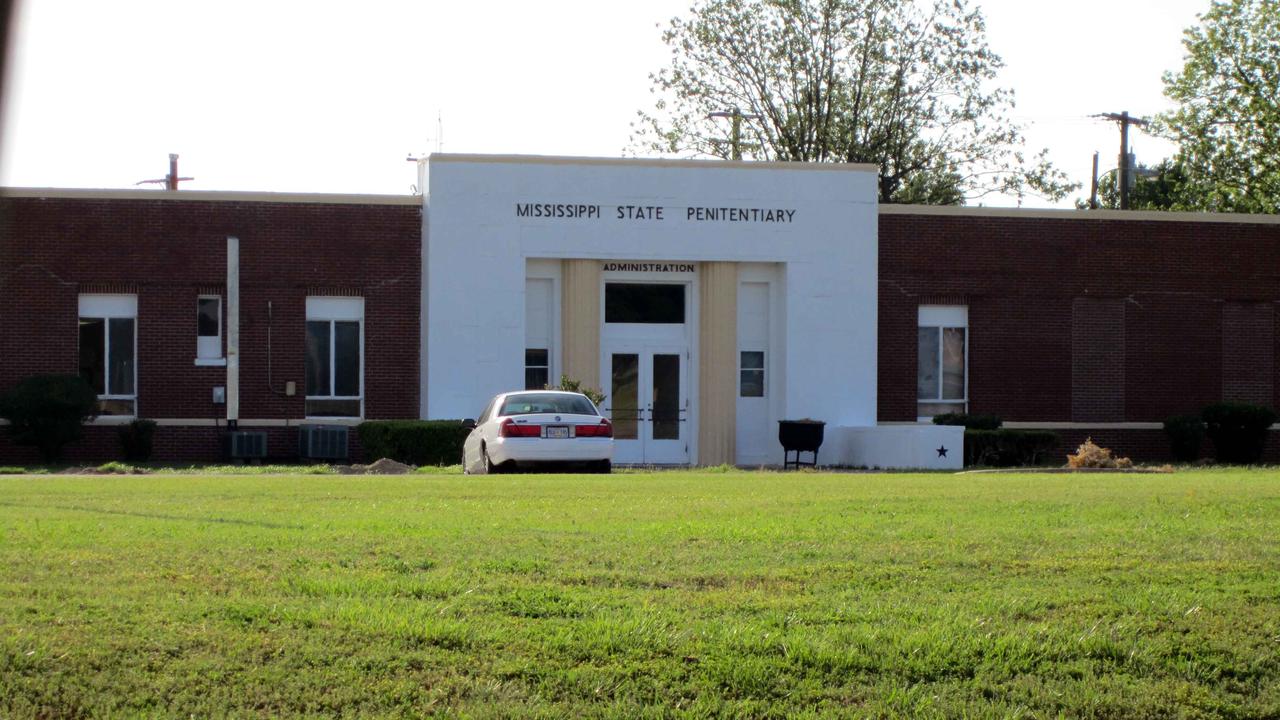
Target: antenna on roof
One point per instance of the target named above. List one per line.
(422, 159)
(171, 180)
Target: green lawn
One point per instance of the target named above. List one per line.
(667, 594)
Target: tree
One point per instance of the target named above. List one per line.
(905, 85)
(47, 411)
(1227, 123)
(1162, 187)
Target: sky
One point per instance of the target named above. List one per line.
(320, 96)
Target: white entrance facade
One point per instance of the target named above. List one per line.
(707, 300)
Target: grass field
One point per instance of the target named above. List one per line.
(632, 595)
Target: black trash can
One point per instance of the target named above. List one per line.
(800, 436)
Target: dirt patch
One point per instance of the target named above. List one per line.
(385, 466)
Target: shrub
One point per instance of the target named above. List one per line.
(1238, 431)
(1089, 455)
(413, 442)
(1185, 434)
(569, 385)
(136, 440)
(47, 412)
(1008, 448)
(970, 422)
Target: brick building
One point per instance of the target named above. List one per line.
(66, 254)
(1088, 323)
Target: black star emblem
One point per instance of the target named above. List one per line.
(942, 451)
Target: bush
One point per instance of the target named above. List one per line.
(1185, 434)
(413, 442)
(48, 411)
(136, 440)
(970, 422)
(1008, 448)
(1089, 455)
(569, 385)
(1238, 431)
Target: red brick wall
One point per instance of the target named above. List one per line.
(1186, 308)
(1248, 352)
(170, 251)
(1097, 360)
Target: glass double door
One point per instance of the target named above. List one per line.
(648, 403)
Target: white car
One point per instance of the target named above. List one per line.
(538, 428)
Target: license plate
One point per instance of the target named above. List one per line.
(557, 431)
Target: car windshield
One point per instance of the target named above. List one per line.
(526, 403)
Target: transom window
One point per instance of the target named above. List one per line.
(335, 357)
(942, 382)
(108, 348)
(649, 303)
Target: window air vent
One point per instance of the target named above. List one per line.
(322, 442)
(247, 444)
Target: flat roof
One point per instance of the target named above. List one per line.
(705, 163)
(1067, 214)
(209, 196)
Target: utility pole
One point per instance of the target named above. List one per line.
(1093, 186)
(1126, 172)
(171, 180)
(735, 136)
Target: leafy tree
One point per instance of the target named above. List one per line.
(1227, 123)
(47, 411)
(1163, 187)
(903, 84)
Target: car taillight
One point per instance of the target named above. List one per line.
(602, 429)
(510, 428)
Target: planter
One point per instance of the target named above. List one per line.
(800, 436)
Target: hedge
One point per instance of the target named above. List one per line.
(414, 442)
(1185, 433)
(1008, 448)
(47, 412)
(1238, 431)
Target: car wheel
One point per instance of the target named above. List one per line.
(489, 467)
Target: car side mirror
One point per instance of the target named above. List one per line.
(469, 424)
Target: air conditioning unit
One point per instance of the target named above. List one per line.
(246, 444)
(322, 442)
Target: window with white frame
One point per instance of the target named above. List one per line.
(108, 348)
(209, 327)
(537, 362)
(751, 373)
(335, 357)
(942, 370)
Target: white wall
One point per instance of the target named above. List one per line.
(894, 446)
(475, 251)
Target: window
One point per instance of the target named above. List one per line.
(533, 403)
(108, 347)
(644, 303)
(209, 327)
(751, 373)
(942, 382)
(335, 357)
(537, 369)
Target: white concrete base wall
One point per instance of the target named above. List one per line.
(894, 447)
